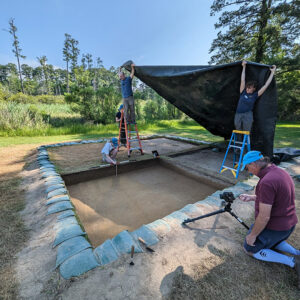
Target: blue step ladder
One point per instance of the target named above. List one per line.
(233, 143)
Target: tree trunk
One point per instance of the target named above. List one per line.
(68, 90)
(264, 16)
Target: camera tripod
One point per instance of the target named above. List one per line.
(227, 208)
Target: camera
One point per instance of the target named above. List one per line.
(227, 196)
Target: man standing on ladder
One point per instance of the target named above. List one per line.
(127, 95)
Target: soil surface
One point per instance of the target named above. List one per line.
(202, 261)
(111, 204)
(82, 157)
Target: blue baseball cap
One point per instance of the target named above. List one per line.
(250, 157)
(114, 141)
(121, 107)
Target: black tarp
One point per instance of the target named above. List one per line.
(209, 95)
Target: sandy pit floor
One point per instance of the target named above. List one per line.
(112, 204)
(82, 157)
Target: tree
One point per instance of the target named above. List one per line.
(16, 48)
(257, 29)
(74, 53)
(43, 60)
(67, 56)
(70, 55)
(89, 60)
(264, 31)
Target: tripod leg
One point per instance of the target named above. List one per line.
(240, 220)
(204, 216)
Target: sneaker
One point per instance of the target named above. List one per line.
(297, 268)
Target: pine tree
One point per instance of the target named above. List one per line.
(16, 49)
(67, 55)
(256, 30)
(43, 60)
(264, 31)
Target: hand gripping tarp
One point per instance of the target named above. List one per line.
(210, 94)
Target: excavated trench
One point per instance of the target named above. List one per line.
(139, 193)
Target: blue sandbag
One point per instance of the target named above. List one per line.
(160, 226)
(49, 173)
(190, 208)
(106, 253)
(64, 223)
(66, 214)
(58, 199)
(244, 186)
(57, 192)
(71, 247)
(146, 234)
(66, 233)
(54, 187)
(78, 264)
(53, 177)
(177, 217)
(54, 181)
(123, 242)
(59, 206)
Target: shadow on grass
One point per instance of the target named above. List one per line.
(226, 275)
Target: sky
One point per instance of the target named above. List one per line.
(149, 32)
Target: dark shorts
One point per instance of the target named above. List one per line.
(268, 239)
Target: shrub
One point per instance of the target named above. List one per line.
(46, 99)
(14, 116)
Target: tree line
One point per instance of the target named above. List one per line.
(263, 31)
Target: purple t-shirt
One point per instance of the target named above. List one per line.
(276, 188)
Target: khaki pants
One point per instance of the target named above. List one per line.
(129, 106)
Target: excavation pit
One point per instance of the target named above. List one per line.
(141, 193)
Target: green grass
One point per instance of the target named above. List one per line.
(287, 133)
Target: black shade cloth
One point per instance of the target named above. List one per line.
(209, 95)
(285, 154)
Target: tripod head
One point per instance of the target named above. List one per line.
(227, 196)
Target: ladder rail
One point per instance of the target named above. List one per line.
(246, 142)
(129, 137)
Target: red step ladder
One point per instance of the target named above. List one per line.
(132, 136)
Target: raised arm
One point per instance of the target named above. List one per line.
(262, 89)
(243, 76)
(132, 70)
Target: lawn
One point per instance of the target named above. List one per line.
(287, 133)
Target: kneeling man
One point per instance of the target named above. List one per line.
(275, 213)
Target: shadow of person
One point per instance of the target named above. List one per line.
(171, 284)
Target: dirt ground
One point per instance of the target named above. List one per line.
(82, 157)
(202, 261)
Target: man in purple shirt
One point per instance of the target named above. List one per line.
(275, 213)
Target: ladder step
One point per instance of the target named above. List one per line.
(231, 146)
(228, 168)
(241, 143)
(135, 148)
(132, 131)
(133, 140)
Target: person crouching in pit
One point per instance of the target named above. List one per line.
(109, 151)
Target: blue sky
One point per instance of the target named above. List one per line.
(150, 32)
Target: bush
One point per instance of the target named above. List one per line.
(47, 99)
(14, 116)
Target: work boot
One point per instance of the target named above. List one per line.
(297, 268)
